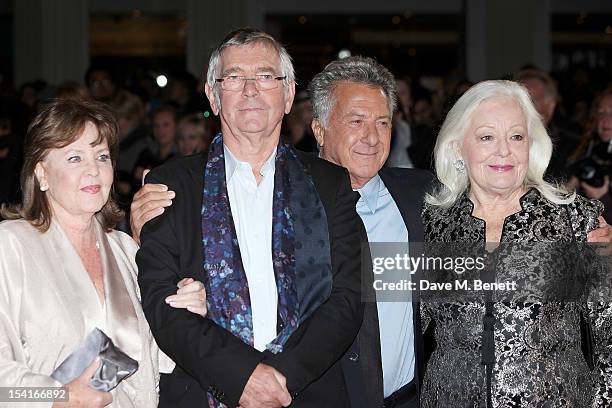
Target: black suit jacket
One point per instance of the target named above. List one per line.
(362, 363)
(210, 358)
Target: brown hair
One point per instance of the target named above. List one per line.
(58, 124)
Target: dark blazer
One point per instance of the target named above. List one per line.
(362, 364)
(210, 358)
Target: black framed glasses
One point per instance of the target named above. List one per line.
(264, 82)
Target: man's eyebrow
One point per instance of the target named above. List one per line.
(232, 70)
(265, 68)
(363, 115)
(238, 70)
(360, 115)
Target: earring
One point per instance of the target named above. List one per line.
(459, 165)
(44, 187)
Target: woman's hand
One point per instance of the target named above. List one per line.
(80, 393)
(191, 295)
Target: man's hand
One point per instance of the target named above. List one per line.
(602, 234)
(148, 203)
(266, 388)
(601, 237)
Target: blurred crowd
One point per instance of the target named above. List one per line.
(158, 124)
(155, 124)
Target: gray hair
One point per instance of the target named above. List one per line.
(241, 37)
(454, 183)
(362, 70)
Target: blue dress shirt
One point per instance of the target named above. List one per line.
(384, 223)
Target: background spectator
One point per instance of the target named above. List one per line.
(102, 84)
(134, 138)
(564, 133)
(164, 146)
(593, 165)
(192, 135)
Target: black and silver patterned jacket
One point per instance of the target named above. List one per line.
(538, 359)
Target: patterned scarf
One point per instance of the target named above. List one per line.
(300, 249)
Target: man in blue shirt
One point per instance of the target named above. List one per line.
(353, 103)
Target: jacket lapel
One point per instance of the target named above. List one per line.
(73, 277)
(121, 318)
(196, 175)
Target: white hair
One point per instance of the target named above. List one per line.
(241, 37)
(454, 128)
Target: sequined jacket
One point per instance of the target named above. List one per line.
(538, 357)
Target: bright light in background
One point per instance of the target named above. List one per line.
(344, 53)
(161, 80)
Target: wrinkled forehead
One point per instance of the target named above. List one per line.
(349, 95)
(498, 107)
(255, 56)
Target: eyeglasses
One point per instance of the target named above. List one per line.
(264, 82)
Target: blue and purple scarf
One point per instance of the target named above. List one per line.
(300, 249)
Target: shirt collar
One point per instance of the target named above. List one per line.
(232, 163)
(369, 193)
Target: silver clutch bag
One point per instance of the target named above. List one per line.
(114, 367)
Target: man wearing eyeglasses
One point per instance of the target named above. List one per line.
(273, 234)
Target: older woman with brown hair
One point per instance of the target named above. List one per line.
(65, 271)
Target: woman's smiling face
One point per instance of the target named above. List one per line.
(496, 146)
